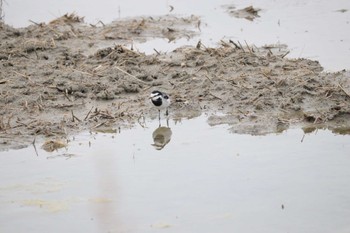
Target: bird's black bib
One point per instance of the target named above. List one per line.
(157, 102)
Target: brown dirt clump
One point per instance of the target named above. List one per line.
(250, 13)
(63, 77)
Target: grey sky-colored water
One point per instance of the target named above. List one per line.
(204, 180)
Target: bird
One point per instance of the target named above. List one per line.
(160, 100)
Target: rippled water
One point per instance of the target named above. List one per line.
(204, 179)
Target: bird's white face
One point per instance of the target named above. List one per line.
(166, 101)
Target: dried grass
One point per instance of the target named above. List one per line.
(67, 19)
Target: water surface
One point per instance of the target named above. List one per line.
(204, 180)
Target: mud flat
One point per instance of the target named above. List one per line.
(63, 77)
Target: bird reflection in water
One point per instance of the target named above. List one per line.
(161, 136)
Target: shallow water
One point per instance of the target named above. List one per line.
(204, 180)
(318, 30)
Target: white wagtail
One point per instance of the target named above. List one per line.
(160, 100)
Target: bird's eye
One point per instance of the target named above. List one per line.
(166, 97)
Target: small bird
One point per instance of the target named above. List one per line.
(160, 100)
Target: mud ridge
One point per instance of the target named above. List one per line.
(60, 78)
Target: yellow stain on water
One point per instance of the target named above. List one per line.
(224, 216)
(46, 185)
(52, 206)
(161, 225)
(55, 206)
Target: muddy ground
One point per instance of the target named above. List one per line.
(66, 76)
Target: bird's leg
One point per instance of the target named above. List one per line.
(159, 118)
(167, 112)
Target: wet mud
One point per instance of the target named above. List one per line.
(249, 13)
(66, 76)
